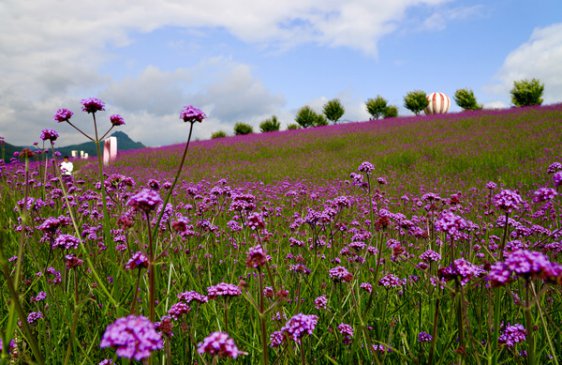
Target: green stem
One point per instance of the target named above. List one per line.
(102, 186)
(27, 331)
(434, 332)
(262, 321)
(552, 348)
(151, 283)
(529, 325)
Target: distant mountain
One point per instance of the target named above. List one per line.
(123, 143)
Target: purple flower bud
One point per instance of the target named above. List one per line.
(117, 120)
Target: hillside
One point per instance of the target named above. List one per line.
(453, 151)
(124, 143)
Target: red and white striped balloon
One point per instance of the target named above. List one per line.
(439, 103)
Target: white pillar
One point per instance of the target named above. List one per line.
(109, 150)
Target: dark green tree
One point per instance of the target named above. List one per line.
(218, 134)
(270, 125)
(416, 101)
(333, 110)
(292, 127)
(465, 99)
(306, 117)
(527, 92)
(376, 107)
(391, 111)
(243, 128)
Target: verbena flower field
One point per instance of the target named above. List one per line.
(417, 240)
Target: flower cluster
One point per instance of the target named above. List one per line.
(257, 257)
(92, 105)
(424, 337)
(340, 273)
(138, 260)
(463, 269)
(190, 296)
(223, 290)
(300, 325)
(63, 115)
(49, 135)
(134, 337)
(66, 241)
(391, 281)
(117, 120)
(219, 344)
(507, 200)
(146, 200)
(366, 167)
(192, 114)
(512, 335)
(347, 332)
(526, 264)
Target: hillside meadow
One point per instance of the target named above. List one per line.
(414, 240)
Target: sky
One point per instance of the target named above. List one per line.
(246, 60)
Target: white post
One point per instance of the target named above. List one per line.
(109, 150)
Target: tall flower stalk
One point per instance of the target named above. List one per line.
(92, 106)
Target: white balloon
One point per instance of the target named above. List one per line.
(439, 103)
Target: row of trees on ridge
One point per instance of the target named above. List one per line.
(523, 93)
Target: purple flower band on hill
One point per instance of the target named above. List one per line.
(134, 337)
(192, 114)
(63, 115)
(92, 105)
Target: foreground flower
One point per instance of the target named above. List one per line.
(366, 167)
(526, 264)
(512, 335)
(66, 241)
(424, 337)
(507, 200)
(191, 114)
(63, 115)
(134, 337)
(347, 332)
(219, 344)
(49, 135)
(146, 200)
(92, 105)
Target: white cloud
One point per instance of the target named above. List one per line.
(52, 53)
(439, 19)
(540, 57)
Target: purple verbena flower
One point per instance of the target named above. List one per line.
(554, 167)
(117, 120)
(223, 290)
(49, 135)
(340, 273)
(300, 325)
(63, 115)
(391, 281)
(424, 337)
(321, 302)
(178, 309)
(430, 256)
(257, 257)
(72, 262)
(138, 260)
(190, 296)
(367, 287)
(146, 200)
(347, 332)
(366, 167)
(33, 317)
(512, 335)
(544, 195)
(557, 178)
(192, 114)
(507, 200)
(92, 105)
(134, 337)
(276, 339)
(219, 344)
(66, 241)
